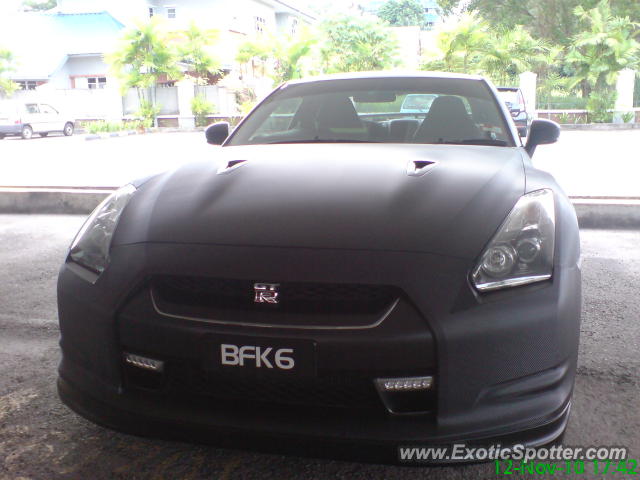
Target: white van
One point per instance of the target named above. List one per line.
(25, 119)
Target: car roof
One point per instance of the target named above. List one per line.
(383, 74)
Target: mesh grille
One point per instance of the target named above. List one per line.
(312, 298)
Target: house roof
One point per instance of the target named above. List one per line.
(291, 7)
(53, 38)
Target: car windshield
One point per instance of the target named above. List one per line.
(460, 111)
(510, 97)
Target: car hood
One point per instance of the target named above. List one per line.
(344, 196)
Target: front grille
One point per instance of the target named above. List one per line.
(189, 381)
(228, 299)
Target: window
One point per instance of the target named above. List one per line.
(48, 109)
(261, 24)
(151, 12)
(171, 13)
(27, 84)
(96, 82)
(32, 108)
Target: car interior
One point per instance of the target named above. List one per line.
(376, 118)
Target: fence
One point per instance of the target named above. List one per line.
(224, 101)
(109, 104)
(166, 99)
(77, 103)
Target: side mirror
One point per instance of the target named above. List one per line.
(217, 133)
(541, 132)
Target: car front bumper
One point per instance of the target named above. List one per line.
(503, 364)
(11, 129)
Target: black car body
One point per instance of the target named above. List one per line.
(330, 290)
(517, 106)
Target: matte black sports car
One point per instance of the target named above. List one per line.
(337, 274)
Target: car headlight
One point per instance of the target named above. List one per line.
(522, 250)
(90, 247)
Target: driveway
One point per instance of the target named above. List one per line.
(42, 439)
(586, 163)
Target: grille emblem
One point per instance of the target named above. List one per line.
(266, 292)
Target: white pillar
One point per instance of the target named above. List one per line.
(186, 92)
(113, 104)
(528, 82)
(624, 87)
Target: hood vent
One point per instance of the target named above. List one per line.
(417, 168)
(230, 165)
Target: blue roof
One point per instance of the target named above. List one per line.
(55, 37)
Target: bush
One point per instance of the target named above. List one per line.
(201, 108)
(108, 127)
(599, 106)
(628, 117)
(245, 107)
(148, 113)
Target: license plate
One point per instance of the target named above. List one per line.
(260, 355)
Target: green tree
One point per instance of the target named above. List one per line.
(507, 53)
(145, 54)
(460, 45)
(194, 50)
(255, 52)
(605, 47)
(38, 5)
(7, 87)
(402, 13)
(550, 20)
(354, 43)
(288, 54)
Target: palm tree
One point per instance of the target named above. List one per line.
(289, 54)
(144, 56)
(195, 51)
(7, 87)
(603, 49)
(460, 45)
(510, 52)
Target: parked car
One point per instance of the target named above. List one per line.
(417, 103)
(514, 100)
(25, 119)
(332, 280)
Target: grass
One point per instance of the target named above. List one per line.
(109, 127)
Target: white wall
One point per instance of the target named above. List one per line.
(237, 15)
(77, 66)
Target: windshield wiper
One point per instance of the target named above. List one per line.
(477, 141)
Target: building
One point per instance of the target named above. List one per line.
(65, 47)
(62, 50)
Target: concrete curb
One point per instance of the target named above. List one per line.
(51, 200)
(607, 212)
(104, 136)
(599, 126)
(593, 212)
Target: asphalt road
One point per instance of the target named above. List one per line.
(585, 163)
(42, 439)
